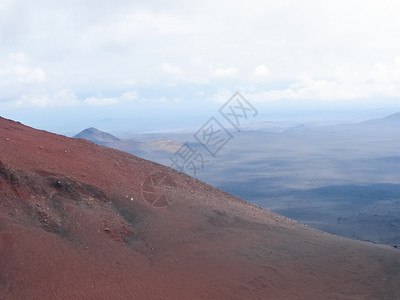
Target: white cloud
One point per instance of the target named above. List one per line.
(63, 98)
(4, 4)
(221, 96)
(171, 69)
(16, 74)
(135, 23)
(106, 101)
(225, 72)
(129, 96)
(68, 98)
(19, 57)
(100, 101)
(381, 81)
(33, 100)
(261, 71)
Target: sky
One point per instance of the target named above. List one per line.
(148, 65)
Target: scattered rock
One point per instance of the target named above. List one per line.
(58, 184)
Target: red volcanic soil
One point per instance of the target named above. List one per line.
(81, 221)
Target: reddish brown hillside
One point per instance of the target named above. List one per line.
(81, 221)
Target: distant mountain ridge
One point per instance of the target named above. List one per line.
(391, 119)
(97, 136)
(395, 116)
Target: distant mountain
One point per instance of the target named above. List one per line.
(391, 119)
(142, 146)
(97, 136)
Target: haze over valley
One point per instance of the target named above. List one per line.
(343, 179)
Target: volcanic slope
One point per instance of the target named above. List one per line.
(82, 221)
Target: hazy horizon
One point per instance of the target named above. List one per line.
(71, 122)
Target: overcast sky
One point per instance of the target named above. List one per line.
(67, 64)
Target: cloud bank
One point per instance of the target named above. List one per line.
(96, 52)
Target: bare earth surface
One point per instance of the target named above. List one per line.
(82, 221)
